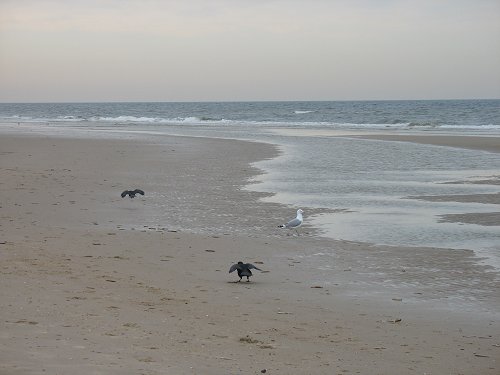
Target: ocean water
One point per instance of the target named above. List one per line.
(367, 182)
(447, 114)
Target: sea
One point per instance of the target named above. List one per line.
(324, 164)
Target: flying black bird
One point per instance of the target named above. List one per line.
(243, 269)
(132, 193)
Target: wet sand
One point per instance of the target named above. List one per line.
(485, 143)
(93, 283)
(490, 144)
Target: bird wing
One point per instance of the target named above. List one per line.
(293, 223)
(250, 266)
(124, 194)
(234, 267)
(138, 191)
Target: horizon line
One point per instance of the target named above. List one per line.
(240, 101)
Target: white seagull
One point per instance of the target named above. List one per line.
(294, 223)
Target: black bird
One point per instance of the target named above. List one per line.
(243, 269)
(132, 193)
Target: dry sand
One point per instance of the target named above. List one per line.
(96, 284)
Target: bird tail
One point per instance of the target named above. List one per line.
(282, 226)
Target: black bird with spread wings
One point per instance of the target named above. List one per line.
(132, 193)
(243, 269)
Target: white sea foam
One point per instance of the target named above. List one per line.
(204, 121)
(125, 119)
(17, 119)
(159, 120)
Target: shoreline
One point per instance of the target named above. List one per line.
(488, 144)
(473, 142)
(105, 288)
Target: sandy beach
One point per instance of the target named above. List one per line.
(91, 284)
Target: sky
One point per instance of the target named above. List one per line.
(239, 50)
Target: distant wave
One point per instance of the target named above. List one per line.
(158, 120)
(213, 121)
(125, 119)
(17, 118)
(115, 119)
(303, 112)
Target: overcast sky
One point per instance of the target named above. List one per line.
(227, 50)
